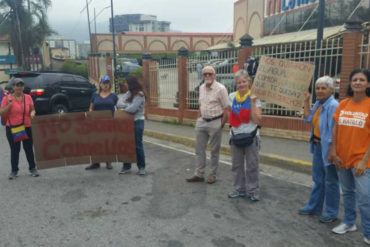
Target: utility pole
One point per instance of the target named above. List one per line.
(88, 22)
(96, 45)
(114, 41)
(320, 31)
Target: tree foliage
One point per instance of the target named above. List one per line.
(25, 22)
(75, 68)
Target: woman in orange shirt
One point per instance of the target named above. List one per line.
(350, 152)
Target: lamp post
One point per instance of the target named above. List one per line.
(114, 41)
(88, 20)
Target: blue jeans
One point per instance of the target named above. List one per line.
(325, 188)
(140, 156)
(356, 189)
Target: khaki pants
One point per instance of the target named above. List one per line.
(212, 132)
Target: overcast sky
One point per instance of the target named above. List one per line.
(184, 15)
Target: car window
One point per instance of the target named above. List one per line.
(82, 82)
(68, 81)
(50, 79)
(31, 82)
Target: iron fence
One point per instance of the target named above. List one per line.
(221, 61)
(365, 49)
(329, 59)
(164, 83)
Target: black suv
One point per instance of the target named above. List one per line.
(56, 92)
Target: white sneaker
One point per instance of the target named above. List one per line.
(343, 228)
(141, 172)
(366, 240)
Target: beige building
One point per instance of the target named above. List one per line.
(141, 42)
(7, 58)
(248, 18)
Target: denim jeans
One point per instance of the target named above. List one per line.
(325, 188)
(356, 189)
(140, 156)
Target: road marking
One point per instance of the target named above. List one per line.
(221, 161)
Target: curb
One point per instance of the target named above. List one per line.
(268, 159)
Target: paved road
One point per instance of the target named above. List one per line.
(73, 207)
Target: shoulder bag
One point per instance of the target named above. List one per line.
(19, 131)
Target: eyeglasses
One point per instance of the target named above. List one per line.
(19, 85)
(207, 74)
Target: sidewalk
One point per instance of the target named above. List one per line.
(280, 152)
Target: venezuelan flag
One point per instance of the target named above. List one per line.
(19, 133)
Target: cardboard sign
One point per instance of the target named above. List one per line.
(83, 138)
(283, 82)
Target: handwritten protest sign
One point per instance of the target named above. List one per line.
(282, 82)
(83, 138)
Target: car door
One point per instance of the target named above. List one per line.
(70, 88)
(85, 89)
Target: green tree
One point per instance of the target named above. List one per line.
(72, 67)
(25, 21)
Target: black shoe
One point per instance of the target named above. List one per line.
(93, 166)
(13, 175)
(109, 166)
(34, 172)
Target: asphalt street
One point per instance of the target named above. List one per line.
(72, 207)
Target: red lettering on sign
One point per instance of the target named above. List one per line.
(45, 149)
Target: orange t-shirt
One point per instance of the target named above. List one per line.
(316, 123)
(353, 136)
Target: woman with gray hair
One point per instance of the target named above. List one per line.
(245, 115)
(324, 174)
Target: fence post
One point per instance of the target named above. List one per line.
(146, 81)
(183, 82)
(352, 39)
(246, 50)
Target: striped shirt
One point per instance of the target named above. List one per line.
(212, 100)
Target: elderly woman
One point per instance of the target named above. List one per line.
(103, 100)
(350, 152)
(245, 115)
(18, 109)
(133, 102)
(324, 174)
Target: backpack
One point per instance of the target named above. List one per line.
(251, 66)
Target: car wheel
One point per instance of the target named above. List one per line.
(59, 108)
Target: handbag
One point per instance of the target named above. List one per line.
(243, 139)
(19, 131)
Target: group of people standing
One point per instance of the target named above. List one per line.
(243, 110)
(340, 143)
(340, 139)
(17, 110)
(132, 102)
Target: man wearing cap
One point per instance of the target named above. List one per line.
(212, 116)
(19, 109)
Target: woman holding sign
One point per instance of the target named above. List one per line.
(133, 102)
(350, 152)
(324, 174)
(101, 101)
(18, 110)
(245, 115)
